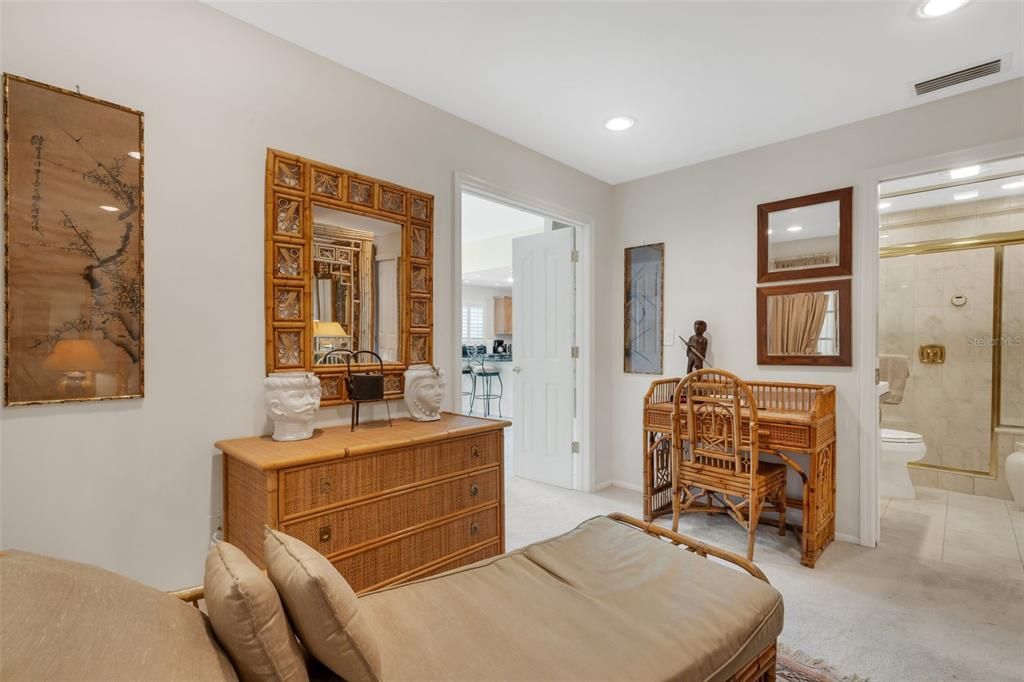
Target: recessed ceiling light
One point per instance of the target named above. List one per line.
(794, 228)
(882, 205)
(619, 123)
(965, 172)
(963, 196)
(135, 155)
(938, 8)
(510, 280)
(112, 209)
(1014, 185)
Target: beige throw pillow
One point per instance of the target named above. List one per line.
(250, 622)
(322, 607)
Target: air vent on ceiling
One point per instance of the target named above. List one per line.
(957, 77)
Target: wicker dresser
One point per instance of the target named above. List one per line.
(384, 504)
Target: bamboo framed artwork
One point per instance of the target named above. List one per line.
(644, 309)
(73, 270)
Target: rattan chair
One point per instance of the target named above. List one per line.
(715, 463)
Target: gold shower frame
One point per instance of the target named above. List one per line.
(997, 241)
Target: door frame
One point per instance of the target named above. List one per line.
(867, 321)
(584, 464)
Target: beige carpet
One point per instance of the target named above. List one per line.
(883, 614)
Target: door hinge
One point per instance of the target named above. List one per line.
(574, 256)
(574, 352)
(575, 447)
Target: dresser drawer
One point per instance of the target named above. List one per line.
(306, 489)
(334, 531)
(463, 560)
(405, 554)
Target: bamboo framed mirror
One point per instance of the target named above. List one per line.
(349, 266)
(806, 237)
(805, 324)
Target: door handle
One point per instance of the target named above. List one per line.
(517, 370)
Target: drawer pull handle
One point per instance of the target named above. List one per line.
(475, 451)
(474, 528)
(325, 486)
(474, 490)
(325, 534)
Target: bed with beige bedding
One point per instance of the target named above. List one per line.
(606, 601)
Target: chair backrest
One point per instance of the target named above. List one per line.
(721, 428)
(338, 356)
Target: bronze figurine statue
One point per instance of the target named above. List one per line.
(697, 347)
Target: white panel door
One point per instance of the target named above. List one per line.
(542, 383)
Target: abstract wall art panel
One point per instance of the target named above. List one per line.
(644, 308)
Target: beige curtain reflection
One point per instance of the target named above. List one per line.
(794, 323)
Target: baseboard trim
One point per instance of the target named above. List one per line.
(845, 537)
(619, 484)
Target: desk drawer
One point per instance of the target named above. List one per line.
(784, 436)
(405, 554)
(306, 489)
(364, 522)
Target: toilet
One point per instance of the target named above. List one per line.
(899, 448)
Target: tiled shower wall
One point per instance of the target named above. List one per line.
(950, 403)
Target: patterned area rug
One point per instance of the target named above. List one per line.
(796, 666)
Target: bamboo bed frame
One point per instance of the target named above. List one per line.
(760, 669)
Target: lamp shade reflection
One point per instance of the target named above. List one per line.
(76, 358)
(328, 329)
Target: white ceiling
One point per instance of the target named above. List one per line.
(494, 277)
(485, 219)
(702, 79)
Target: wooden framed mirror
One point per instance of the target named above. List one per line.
(805, 324)
(806, 237)
(349, 266)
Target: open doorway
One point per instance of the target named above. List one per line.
(951, 361)
(520, 327)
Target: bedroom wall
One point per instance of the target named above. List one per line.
(131, 485)
(705, 214)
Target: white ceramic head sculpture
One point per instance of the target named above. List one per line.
(424, 392)
(292, 399)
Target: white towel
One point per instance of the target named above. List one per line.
(895, 369)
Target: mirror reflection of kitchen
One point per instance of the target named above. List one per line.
(355, 287)
(803, 237)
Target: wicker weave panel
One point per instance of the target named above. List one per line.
(334, 531)
(784, 436)
(459, 561)
(825, 432)
(246, 515)
(409, 552)
(658, 420)
(307, 489)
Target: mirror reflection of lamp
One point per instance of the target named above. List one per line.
(328, 329)
(78, 359)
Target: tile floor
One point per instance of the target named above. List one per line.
(940, 598)
(970, 531)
